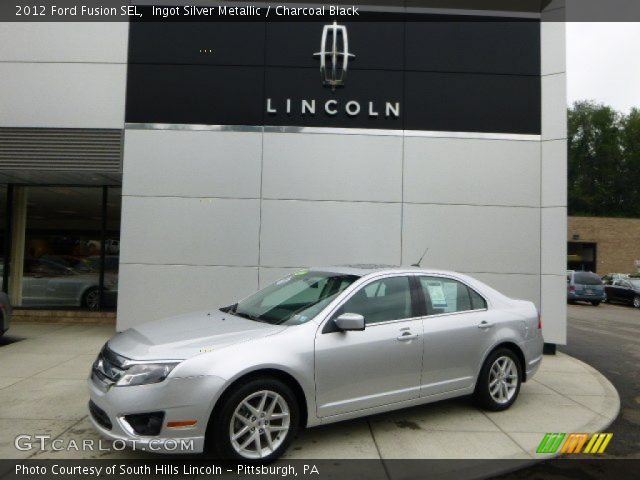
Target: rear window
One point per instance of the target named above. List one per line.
(585, 278)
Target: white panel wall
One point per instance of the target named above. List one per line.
(476, 239)
(333, 167)
(190, 231)
(150, 292)
(56, 42)
(192, 164)
(475, 203)
(296, 233)
(62, 95)
(454, 171)
(513, 285)
(63, 75)
(553, 214)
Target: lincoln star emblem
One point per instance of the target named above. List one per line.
(334, 55)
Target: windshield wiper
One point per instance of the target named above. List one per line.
(247, 316)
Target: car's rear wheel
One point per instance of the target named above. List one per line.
(255, 422)
(499, 381)
(636, 301)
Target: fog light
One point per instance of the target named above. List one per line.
(145, 423)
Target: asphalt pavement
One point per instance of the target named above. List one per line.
(607, 337)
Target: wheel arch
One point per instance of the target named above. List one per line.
(262, 373)
(515, 348)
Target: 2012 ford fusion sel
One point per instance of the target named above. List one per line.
(318, 346)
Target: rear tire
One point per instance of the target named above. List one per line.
(499, 382)
(636, 301)
(255, 422)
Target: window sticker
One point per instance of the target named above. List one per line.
(436, 293)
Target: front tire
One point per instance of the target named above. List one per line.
(499, 381)
(91, 299)
(255, 422)
(595, 304)
(636, 301)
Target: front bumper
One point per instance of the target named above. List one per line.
(179, 398)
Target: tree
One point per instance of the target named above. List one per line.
(631, 147)
(604, 161)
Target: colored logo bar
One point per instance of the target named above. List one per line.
(573, 443)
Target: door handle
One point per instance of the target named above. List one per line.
(406, 336)
(485, 325)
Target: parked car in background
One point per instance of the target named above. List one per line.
(5, 312)
(318, 346)
(624, 290)
(585, 287)
(609, 278)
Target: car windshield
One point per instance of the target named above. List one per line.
(635, 282)
(294, 299)
(587, 278)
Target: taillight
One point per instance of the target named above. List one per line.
(539, 321)
(572, 288)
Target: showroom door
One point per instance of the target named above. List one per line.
(379, 365)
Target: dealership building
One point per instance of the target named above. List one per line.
(167, 167)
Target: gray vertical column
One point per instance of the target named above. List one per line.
(553, 191)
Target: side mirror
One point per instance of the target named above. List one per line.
(350, 321)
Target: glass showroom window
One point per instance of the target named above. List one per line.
(3, 233)
(63, 254)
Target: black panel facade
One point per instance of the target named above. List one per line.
(422, 73)
(472, 103)
(199, 43)
(488, 46)
(195, 94)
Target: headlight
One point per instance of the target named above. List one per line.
(145, 373)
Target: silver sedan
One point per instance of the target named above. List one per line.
(318, 346)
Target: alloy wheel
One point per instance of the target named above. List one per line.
(259, 424)
(92, 299)
(503, 380)
(636, 302)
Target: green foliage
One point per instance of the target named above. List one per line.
(604, 161)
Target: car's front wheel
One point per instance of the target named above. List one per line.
(255, 422)
(499, 381)
(595, 304)
(91, 299)
(636, 301)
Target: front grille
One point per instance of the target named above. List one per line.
(109, 366)
(100, 416)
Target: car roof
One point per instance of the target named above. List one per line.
(362, 270)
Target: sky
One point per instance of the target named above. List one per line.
(603, 63)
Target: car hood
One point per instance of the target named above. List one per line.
(185, 336)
